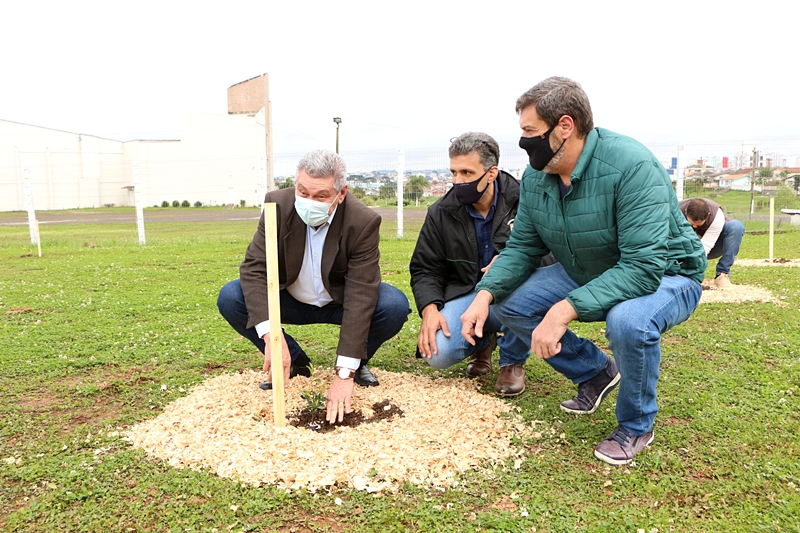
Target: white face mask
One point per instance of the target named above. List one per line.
(311, 212)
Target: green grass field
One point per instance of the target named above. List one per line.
(91, 332)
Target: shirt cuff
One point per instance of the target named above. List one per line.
(262, 328)
(348, 362)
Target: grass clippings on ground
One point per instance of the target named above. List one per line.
(226, 425)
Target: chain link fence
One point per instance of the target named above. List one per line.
(65, 187)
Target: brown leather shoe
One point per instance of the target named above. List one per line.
(480, 363)
(511, 380)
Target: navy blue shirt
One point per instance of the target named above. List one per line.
(563, 188)
(483, 230)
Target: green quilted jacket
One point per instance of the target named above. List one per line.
(617, 231)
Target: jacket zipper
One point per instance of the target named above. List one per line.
(566, 230)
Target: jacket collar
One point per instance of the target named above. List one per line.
(550, 181)
(586, 155)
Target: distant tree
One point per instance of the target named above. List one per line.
(165, 204)
(786, 180)
(387, 191)
(358, 192)
(764, 175)
(785, 198)
(176, 203)
(287, 183)
(185, 203)
(415, 187)
(760, 177)
(198, 203)
(694, 187)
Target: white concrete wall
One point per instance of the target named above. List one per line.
(223, 159)
(220, 159)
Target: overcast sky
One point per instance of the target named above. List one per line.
(403, 74)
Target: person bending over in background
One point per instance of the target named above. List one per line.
(720, 234)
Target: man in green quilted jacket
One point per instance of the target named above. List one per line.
(604, 206)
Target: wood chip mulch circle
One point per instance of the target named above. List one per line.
(745, 293)
(735, 294)
(225, 425)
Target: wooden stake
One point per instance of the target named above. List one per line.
(771, 226)
(273, 292)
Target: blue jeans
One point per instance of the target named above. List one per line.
(390, 315)
(727, 246)
(455, 349)
(633, 329)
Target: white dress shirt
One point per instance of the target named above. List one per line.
(713, 232)
(308, 288)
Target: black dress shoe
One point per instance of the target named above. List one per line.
(294, 370)
(299, 370)
(365, 378)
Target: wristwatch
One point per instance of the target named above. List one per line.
(345, 373)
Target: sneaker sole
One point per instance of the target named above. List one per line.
(611, 385)
(620, 462)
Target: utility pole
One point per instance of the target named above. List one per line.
(337, 121)
(753, 180)
(268, 133)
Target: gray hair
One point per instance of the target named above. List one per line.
(556, 97)
(472, 142)
(324, 164)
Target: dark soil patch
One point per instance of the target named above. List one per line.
(58, 406)
(315, 420)
(764, 232)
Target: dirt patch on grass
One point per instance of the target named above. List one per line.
(735, 294)
(56, 410)
(106, 377)
(97, 415)
(9, 507)
(765, 262)
(225, 425)
(57, 401)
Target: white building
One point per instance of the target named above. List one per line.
(219, 159)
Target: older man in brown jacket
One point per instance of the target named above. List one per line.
(329, 274)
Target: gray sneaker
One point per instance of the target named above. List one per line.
(621, 447)
(592, 393)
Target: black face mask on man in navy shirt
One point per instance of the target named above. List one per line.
(468, 193)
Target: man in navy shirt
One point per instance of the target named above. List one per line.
(462, 233)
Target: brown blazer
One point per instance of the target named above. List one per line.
(350, 270)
